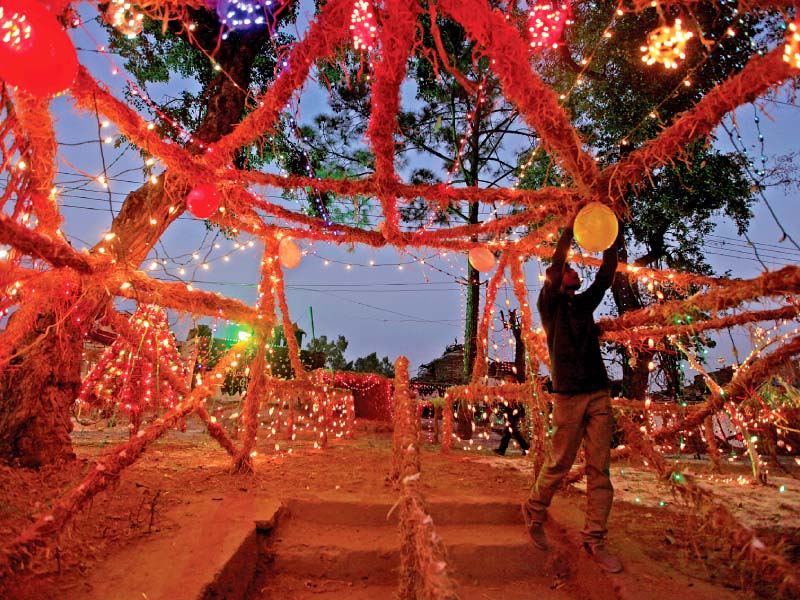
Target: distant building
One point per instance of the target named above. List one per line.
(435, 377)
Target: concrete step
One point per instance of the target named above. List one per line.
(287, 587)
(443, 511)
(310, 549)
(282, 586)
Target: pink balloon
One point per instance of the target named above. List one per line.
(203, 201)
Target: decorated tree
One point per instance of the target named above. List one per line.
(244, 60)
(459, 122)
(668, 219)
(126, 378)
(57, 279)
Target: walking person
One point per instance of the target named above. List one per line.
(581, 401)
(513, 413)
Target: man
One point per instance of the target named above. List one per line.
(513, 413)
(581, 402)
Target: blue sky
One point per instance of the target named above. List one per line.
(396, 305)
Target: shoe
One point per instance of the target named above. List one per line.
(499, 452)
(538, 537)
(603, 557)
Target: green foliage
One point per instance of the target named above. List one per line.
(333, 351)
(672, 217)
(622, 103)
(372, 364)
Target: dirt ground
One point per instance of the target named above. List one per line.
(186, 466)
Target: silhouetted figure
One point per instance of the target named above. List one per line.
(513, 412)
(581, 401)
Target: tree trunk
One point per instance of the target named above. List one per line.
(465, 417)
(519, 346)
(635, 372)
(36, 393)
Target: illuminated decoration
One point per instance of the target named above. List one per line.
(124, 17)
(113, 268)
(124, 377)
(36, 53)
(482, 259)
(203, 201)
(56, 7)
(666, 45)
(546, 23)
(791, 51)
(363, 26)
(596, 227)
(288, 253)
(244, 14)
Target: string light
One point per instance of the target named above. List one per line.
(666, 45)
(125, 17)
(244, 14)
(547, 22)
(791, 50)
(363, 26)
(124, 378)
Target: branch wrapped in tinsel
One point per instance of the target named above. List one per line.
(279, 292)
(753, 316)
(764, 560)
(104, 472)
(475, 392)
(397, 36)
(41, 245)
(423, 556)
(481, 365)
(324, 36)
(757, 77)
(139, 286)
(785, 281)
(34, 118)
(90, 96)
(406, 429)
(535, 345)
(258, 386)
(736, 390)
(438, 195)
(538, 103)
(536, 354)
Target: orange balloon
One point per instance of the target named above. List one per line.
(289, 254)
(482, 259)
(596, 227)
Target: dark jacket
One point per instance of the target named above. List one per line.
(514, 411)
(576, 365)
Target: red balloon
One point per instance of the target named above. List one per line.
(36, 53)
(203, 201)
(56, 7)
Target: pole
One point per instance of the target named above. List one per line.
(311, 312)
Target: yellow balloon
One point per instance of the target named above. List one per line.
(288, 254)
(596, 227)
(482, 259)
